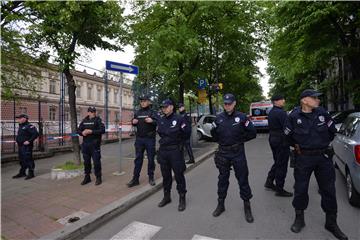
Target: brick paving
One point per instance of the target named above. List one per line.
(31, 208)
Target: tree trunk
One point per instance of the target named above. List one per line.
(73, 115)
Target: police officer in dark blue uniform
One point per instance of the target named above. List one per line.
(187, 144)
(231, 129)
(279, 147)
(310, 130)
(91, 128)
(27, 133)
(172, 129)
(145, 122)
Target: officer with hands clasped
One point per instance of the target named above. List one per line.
(91, 128)
(27, 133)
(310, 130)
(172, 129)
(231, 129)
(145, 122)
(279, 147)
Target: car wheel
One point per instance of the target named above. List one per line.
(353, 195)
(199, 135)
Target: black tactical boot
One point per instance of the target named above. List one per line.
(182, 202)
(247, 209)
(165, 200)
(151, 181)
(332, 226)
(220, 207)
(133, 182)
(299, 222)
(191, 161)
(269, 184)
(283, 193)
(86, 180)
(98, 180)
(20, 174)
(30, 175)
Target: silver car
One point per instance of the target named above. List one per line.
(347, 155)
(204, 126)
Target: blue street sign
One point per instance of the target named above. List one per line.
(121, 67)
(202, 84)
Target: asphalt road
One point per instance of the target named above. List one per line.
(273, 215)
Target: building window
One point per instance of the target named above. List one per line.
(99, 96)
(52, 113)
(117, 116)
(52, 86)
(89, 95)
(78, 91)
(67, 115)
(66, 88)
(116, 96)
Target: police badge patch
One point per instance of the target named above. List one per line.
(299, 121)
(174, 122)
(322, 118)
(237, 119)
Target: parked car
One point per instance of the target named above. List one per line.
(347, 155)
(204, 126)
(339, 117)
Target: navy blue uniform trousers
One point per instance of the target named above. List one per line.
(26, 159)
(278, 170)
(142, 144)
(238, 161)
(324, 171)
(91, 151)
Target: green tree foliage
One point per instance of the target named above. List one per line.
(306, 36)
(64, 26)
(177, 43)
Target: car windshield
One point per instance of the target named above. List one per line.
(260, 111)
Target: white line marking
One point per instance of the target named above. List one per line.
(136, 231)
(199, 237)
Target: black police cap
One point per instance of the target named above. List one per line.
(309, 93)
(181, 105)
(92, 109)
(229, 98)
(277, 97)
(22, 115)
(166, 103)
(144, 97)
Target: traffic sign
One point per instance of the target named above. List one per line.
(121, 67)
(202, 84)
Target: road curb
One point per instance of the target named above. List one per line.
(89, 223)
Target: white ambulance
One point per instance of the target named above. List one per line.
(259, 114)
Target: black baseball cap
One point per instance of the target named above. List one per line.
(22, 115)
(277, 97)
(229, 98)
(181, 105)
(144, 97)
(92, 109)
(309, 93)
(166, 103)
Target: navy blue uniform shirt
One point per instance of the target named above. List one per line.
(96, 125)
(144, 129)
(276, 118)
(172, 129)
(26, 132)
(313, 130)
(232, 129)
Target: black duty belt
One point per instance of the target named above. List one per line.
(169, 147)
(276, 132)
(313, 152)
(235, 147)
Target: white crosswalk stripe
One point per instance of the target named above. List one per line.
(199, 237)
(136, 231)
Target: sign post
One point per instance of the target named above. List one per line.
(122, 68)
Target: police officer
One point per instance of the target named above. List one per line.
(27, 133)
(279, 147)
(172, 129)
(91, 128)
(145, 122)
(187, 144)
(310, 130)
(231, 129)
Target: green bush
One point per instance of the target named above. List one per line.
(69, 165)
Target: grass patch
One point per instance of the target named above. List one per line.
(69, 165)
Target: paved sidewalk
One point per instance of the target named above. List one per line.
(30, 209)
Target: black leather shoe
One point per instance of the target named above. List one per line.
(151, 181)
(133, 182)
(191, 161)
(86, 180)
(182, 202)
(283, 193)
(332, 227)
(220, 208)
(248, 214)
(98, 181)
(19, 175)
(165, 200)
(299, 222)
(30, 175)
(269, 185)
